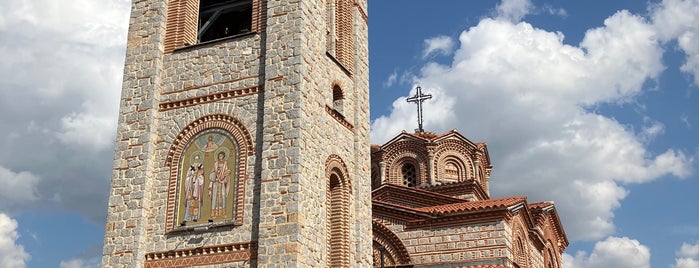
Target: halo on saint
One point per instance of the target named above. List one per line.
(196, 158)
(222, 150)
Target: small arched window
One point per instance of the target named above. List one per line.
(409, 174)
(338, 98)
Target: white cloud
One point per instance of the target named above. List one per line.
(87, 130)
(678, 20)
(687, 256)
(651, 129)
(391, 79)
(528, 95)
(514, 10)
(555, 11)
(17, 188)
(617, 252)
(12, 255)
(442, 45)
(61, 74)
(80, 263)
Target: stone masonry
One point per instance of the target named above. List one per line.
(272, 89)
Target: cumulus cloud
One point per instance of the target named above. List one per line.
(442, 45)
(677, 20)
(514, 10)
(529, 95)
(17, 188)
(618, 252)
(12, 255)
(61, 75)
(687, 256)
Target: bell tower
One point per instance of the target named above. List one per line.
(243, 136)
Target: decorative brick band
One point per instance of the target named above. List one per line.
(169, 105)
(202, 255)
(339, 117)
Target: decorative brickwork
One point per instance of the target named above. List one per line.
(340, 39)
(181, 29)
(245, 149)
(394, 252)
(450, 220)
(339, 117)
(169, 105)
(338, 193)
(202, 255)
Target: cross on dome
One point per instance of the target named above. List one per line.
(418, 99)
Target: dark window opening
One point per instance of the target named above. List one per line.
(409, 176)
(338, 98)
(220, 18)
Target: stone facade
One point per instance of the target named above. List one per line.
(431, 208)
(271, 89)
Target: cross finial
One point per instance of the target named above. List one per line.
(418, 99)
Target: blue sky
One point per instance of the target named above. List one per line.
(591, 104)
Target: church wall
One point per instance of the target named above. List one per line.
(532, 255)
(465, 243)
(322, 133)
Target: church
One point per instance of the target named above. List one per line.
(243, 141)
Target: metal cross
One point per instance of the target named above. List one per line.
(418, 99)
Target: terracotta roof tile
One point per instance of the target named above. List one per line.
(540, 205)
(475, 205)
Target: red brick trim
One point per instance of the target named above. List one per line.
(362, 12)
(339, 118)
(338, 192)
(202, 255)
(212, 97)
(245, 149)
(395, 252)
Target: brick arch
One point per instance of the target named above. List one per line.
(395, 252)
(463, 164)
(396, 174)
(338, 191)
(402, 151)
(245, 148)
(458, 149)
(520, 248)
(550, 256)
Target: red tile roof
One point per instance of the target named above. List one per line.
(475, 205)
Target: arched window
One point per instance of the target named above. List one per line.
(338, 99)
(337, 213)
(409, 174)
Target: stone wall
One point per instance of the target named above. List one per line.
(278, 85)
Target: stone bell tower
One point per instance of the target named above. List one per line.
(243, 136)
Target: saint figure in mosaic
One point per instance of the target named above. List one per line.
(220, 178)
